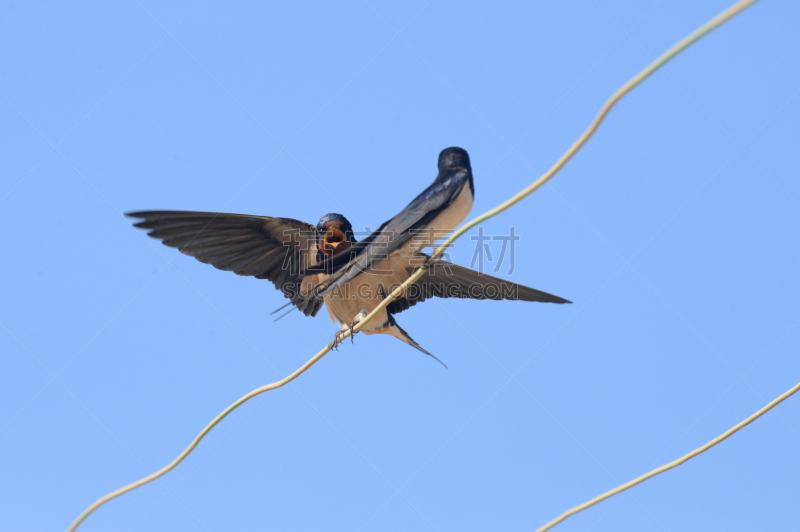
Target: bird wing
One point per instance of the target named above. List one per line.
(414, 223)
(277, 249)
(444, 279)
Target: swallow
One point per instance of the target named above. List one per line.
(321, 264)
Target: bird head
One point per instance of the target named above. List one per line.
(452, 158)
(334, 234)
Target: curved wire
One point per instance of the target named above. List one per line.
(675, 463)
(622, 91)
(169, 467)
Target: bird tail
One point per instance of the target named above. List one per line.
(400, 333)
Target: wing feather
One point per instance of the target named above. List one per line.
(277, 249)
(447, 280)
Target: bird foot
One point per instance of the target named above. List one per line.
(337, 336)
(352, 332)
(337, 339)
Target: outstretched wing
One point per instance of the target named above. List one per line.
(278, 249)
(445, 279)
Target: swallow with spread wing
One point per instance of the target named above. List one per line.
(312, 265)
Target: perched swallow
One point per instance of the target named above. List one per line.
(312, 265)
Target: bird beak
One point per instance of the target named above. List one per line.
(333, 241)
(334, 237)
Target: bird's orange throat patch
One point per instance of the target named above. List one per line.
(333, 242)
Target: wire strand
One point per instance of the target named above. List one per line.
(622, 91)
(675, 463)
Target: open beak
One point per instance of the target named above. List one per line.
(334, 237)
(334, 240)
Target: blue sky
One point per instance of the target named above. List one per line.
(674, 232)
